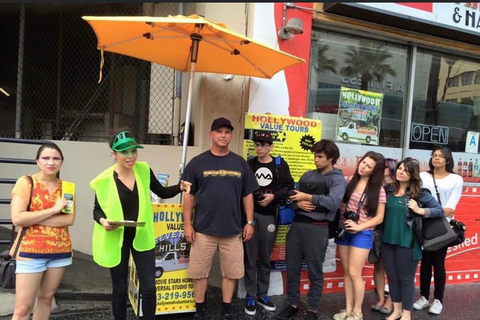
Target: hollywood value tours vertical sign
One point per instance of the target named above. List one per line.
(174, 288)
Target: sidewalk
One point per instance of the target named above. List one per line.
(85, 293)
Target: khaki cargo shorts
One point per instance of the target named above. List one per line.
(203, 250)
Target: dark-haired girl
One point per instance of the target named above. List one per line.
(449, 187)
(45, 249)
(364, 195)
(401, 250)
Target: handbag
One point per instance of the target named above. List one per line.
(333, 225)
(437, 233)
(433, 233)
(374, 254)
(8, 263)
(285, 212)
(459, 229)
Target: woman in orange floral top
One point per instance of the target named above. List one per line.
(46, 248)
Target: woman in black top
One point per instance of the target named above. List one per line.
(124, 149)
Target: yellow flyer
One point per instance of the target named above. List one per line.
(174, 288)
(68, 192)
(293, 138)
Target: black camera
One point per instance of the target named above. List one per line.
(258, 195)
(349, 215)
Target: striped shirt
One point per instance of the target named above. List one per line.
(353, 206)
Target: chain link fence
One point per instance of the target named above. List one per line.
(60, 94)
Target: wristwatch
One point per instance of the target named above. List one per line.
(252, 223)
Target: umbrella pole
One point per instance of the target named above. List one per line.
(187, 118)
(196, 38)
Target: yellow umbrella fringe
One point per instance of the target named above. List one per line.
(102, 62)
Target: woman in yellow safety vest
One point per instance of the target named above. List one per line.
(122, 192)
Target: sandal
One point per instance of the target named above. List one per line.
(376, 307)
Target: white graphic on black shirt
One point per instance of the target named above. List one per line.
(264, 176)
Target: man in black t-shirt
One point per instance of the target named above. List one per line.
(221, 182)
(275, 181)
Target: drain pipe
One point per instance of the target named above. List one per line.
(177, 99)
(21, 45)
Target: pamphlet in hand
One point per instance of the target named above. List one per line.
(126, 223)
(68, 192)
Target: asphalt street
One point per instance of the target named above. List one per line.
(461, 303)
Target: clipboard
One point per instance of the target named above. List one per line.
(127, 223)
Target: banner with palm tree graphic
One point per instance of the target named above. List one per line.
(359, 116)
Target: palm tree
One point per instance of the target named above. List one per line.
(368, 61)
(324, 64)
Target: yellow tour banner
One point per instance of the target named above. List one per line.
(293, 138)
(174, 288)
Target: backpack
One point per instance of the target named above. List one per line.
(285, 210)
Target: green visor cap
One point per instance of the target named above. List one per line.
(124, 141)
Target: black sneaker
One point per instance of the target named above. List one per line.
(311, 316)
(199, 316)
(286, 313)
(250, 307)
(266, 303)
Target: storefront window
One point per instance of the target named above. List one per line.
(477, 77)
(446, 103)
(357, 63)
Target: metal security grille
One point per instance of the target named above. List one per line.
(59, 92)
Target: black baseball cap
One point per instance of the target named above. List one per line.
(220, 122)
(263, 137)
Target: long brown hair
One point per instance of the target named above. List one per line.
(374, 184)
(415, 184)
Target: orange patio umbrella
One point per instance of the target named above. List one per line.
(190, 44)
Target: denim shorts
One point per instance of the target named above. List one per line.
(362, 239)
(40, 265)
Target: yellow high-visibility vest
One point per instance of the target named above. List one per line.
(106, 245)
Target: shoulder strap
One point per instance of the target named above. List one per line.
(360, 203)
(31, 192)
(278, 169)
(278, 161)
(436, 189)
(24, 230)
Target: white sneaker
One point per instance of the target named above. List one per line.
(436, 307)
(421, 303)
